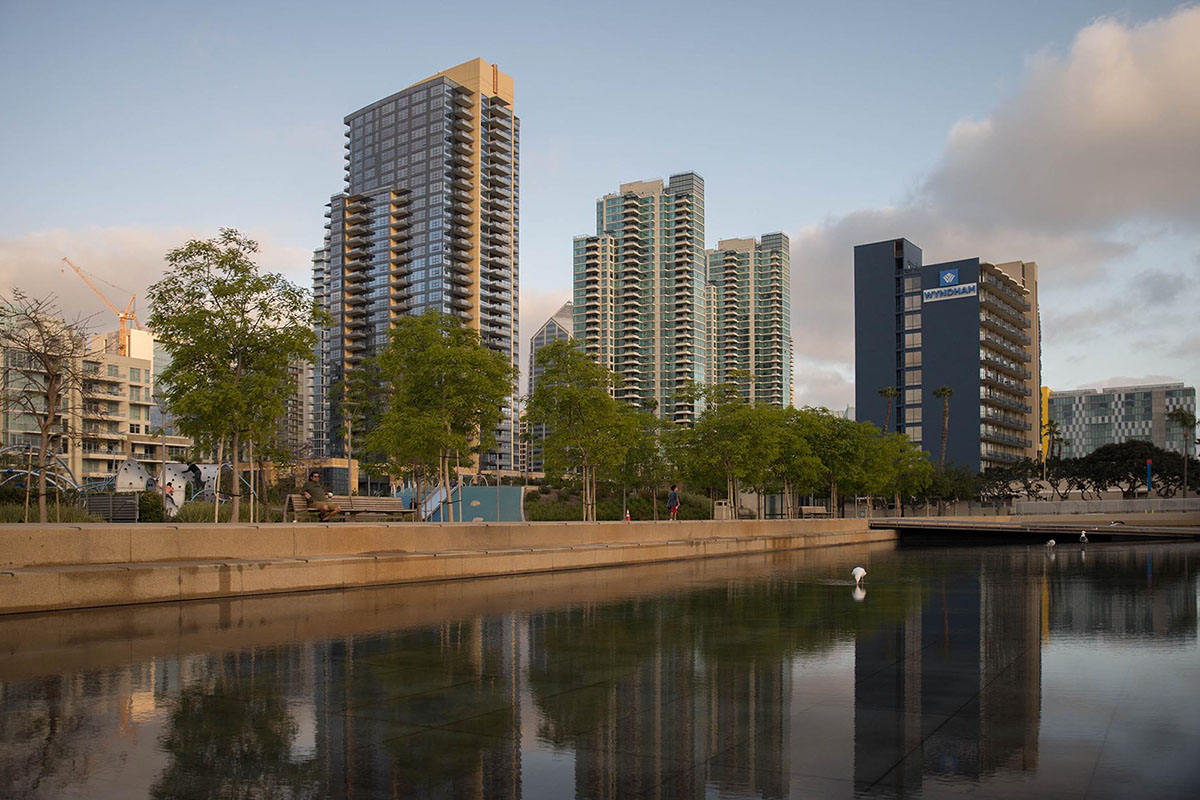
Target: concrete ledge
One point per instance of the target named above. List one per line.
(101, 543)
(255, 566)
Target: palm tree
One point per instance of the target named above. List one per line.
(944, 393)
(1186, 420)
(1052, 431)
(888, 393)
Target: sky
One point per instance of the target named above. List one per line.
(1065, 133)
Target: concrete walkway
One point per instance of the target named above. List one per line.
(82, 566)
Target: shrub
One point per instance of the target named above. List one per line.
(150, 507)
(202, 511)
(15, 512)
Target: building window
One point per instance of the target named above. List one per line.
(912, 415)
(912, 397)
(912, 377)
(912, 302)
(913, 432)
(912, 358)
(912, 340)
(114, 371)
(911, 321)
(912, 283)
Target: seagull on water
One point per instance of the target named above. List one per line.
(1083, 537)
(858, 573)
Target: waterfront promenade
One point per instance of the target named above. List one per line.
(52, 567)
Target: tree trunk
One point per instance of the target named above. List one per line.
(945, 429)
(235, 491)
(28, 479)
(43, 513)
(217, 481)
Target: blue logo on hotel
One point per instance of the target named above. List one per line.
(949, 277)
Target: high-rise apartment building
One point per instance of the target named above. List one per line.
(427, 221)
(1091, 418)
(750, 326)
(641, 293)
(969, 325)
(556, 329)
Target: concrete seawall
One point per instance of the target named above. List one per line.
(80, 566)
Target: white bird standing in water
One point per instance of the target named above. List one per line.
(1083, 537)
(1051, 543)
(858, 573)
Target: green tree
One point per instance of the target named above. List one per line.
(888, 393)
(445, 395)
(944, 393)
(1187, 421)
(841, 446)
(645, 463)
(232, 332)
(587, 430)
(796, 469)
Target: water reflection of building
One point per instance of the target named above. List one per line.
(954, 689)
(654, 714)
(379, 700)
(1141, 592)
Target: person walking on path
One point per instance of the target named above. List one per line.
(673, 502)
(318, 498)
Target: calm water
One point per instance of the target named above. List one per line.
(995, 672)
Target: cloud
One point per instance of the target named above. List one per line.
(1094, 155)
(120, 262)
(1106, 134)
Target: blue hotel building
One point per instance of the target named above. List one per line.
(970, 325)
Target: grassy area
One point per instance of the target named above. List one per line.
(15, 512)
(203, 512)
(554, 504)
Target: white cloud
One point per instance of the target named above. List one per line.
(120, 262)
(1108, 133)
(1095, 155)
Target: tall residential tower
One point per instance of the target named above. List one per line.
(750, 328)
(641, 293)
(427, 221)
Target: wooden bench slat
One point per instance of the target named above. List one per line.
(351, 506)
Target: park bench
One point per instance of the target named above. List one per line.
(814, 512)
(351, 507)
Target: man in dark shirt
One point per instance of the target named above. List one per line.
(318, 498)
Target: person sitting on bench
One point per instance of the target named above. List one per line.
(318, 498)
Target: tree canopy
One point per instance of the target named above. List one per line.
(232, 332)
(443, 395)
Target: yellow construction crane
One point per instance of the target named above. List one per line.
(123, 317)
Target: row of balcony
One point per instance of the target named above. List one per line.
(995, 304)
(996, 284)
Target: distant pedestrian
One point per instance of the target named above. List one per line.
(170, 490)
(318, 497)
(673, 502)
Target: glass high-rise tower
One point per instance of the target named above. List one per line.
(751, 317)
(641, 293)
(427, 221)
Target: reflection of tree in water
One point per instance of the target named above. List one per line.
(736, 629)
(458, 672)
(232, 739)
(47, 743)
